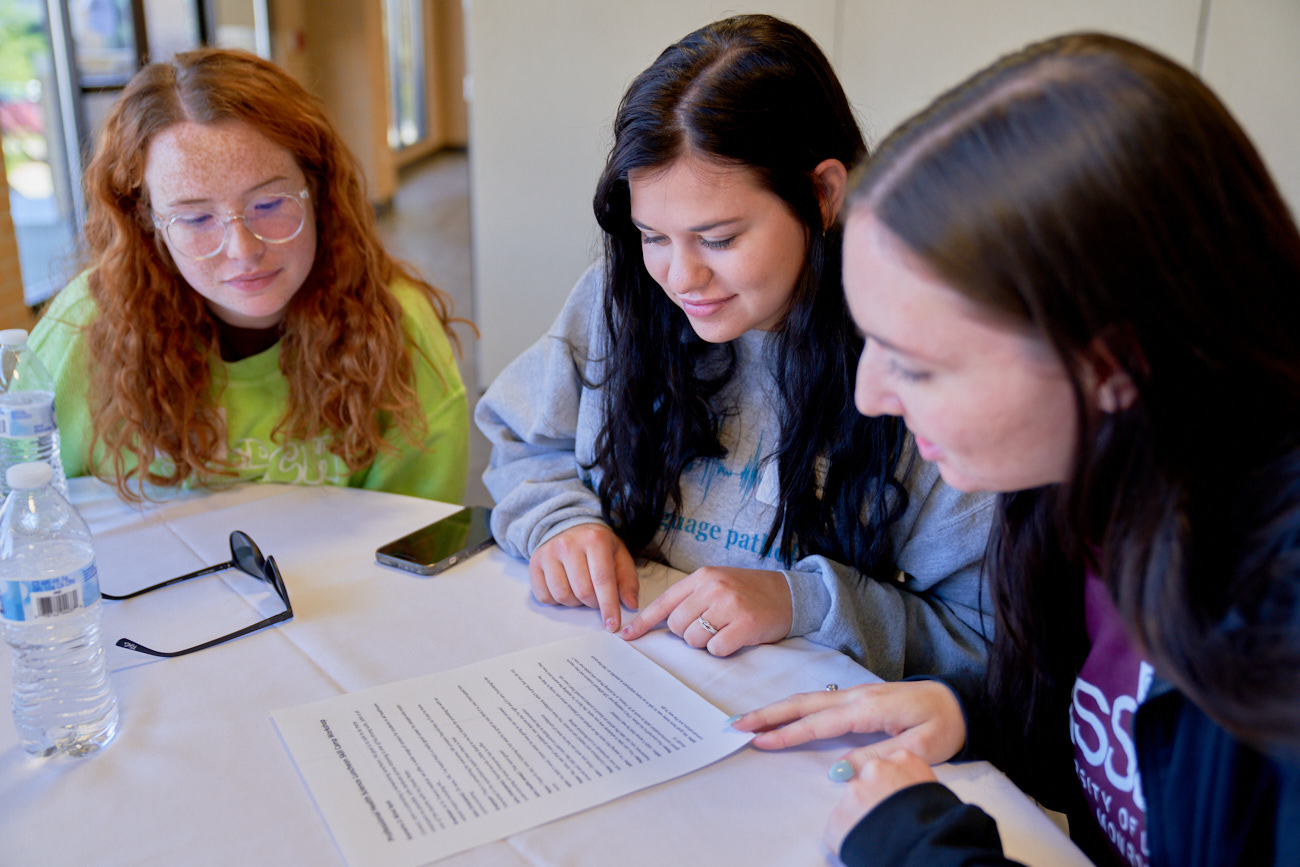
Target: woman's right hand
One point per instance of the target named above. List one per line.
(585, 565)
(876, 780)
(922, 717)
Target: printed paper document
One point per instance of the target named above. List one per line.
(414, 771)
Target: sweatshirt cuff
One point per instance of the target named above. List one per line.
(921, 824)
(810, 602)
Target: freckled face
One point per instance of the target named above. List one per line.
(726, 250)
(221, 168)
(993, 407)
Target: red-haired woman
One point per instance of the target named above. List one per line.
(240, 319)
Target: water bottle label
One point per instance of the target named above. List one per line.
(47, 598)
(34, 419)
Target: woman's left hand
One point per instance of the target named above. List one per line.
(744, 606)
(877, 779)
(922, 717)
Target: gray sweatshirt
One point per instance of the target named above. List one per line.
(543, 423)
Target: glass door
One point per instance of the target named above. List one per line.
(62, 64)
(38, 123)
(404, 38)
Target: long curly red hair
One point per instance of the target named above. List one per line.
(342, 347)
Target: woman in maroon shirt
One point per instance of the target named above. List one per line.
(1080, 287)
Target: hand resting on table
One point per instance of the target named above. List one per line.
(744, 606)
(923, 721)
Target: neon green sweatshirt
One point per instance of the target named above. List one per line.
(253, 401)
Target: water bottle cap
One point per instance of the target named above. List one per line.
(33, 474)
(13, 337)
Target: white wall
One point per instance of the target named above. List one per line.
(894, 57)
(546, 77)
(1252, 60)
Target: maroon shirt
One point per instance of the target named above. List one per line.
(1113, 680)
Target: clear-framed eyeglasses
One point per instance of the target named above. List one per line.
(274, 219)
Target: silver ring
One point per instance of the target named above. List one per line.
(832, 687)
(706, 625)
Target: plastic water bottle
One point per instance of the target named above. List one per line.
(28, 431)
(50, 609)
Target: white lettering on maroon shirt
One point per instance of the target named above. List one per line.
(1113, 681)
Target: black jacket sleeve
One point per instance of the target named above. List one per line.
(925, 825)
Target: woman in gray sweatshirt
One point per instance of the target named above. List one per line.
(692, 404)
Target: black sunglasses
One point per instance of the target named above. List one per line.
(247, 558)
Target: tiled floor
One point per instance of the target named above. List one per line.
(428, 227)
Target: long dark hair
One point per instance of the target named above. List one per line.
(1101, 196)
(756, 92)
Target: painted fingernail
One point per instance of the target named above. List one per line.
(627, 630)
(841, 772)
(732, 720)
(610, 625)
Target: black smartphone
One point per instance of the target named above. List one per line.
(442, 544)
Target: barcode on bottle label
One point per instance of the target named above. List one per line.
(56, 604)
(47, 598)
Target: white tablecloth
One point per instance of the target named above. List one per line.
(197, 774)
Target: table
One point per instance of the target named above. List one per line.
(198, 775)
